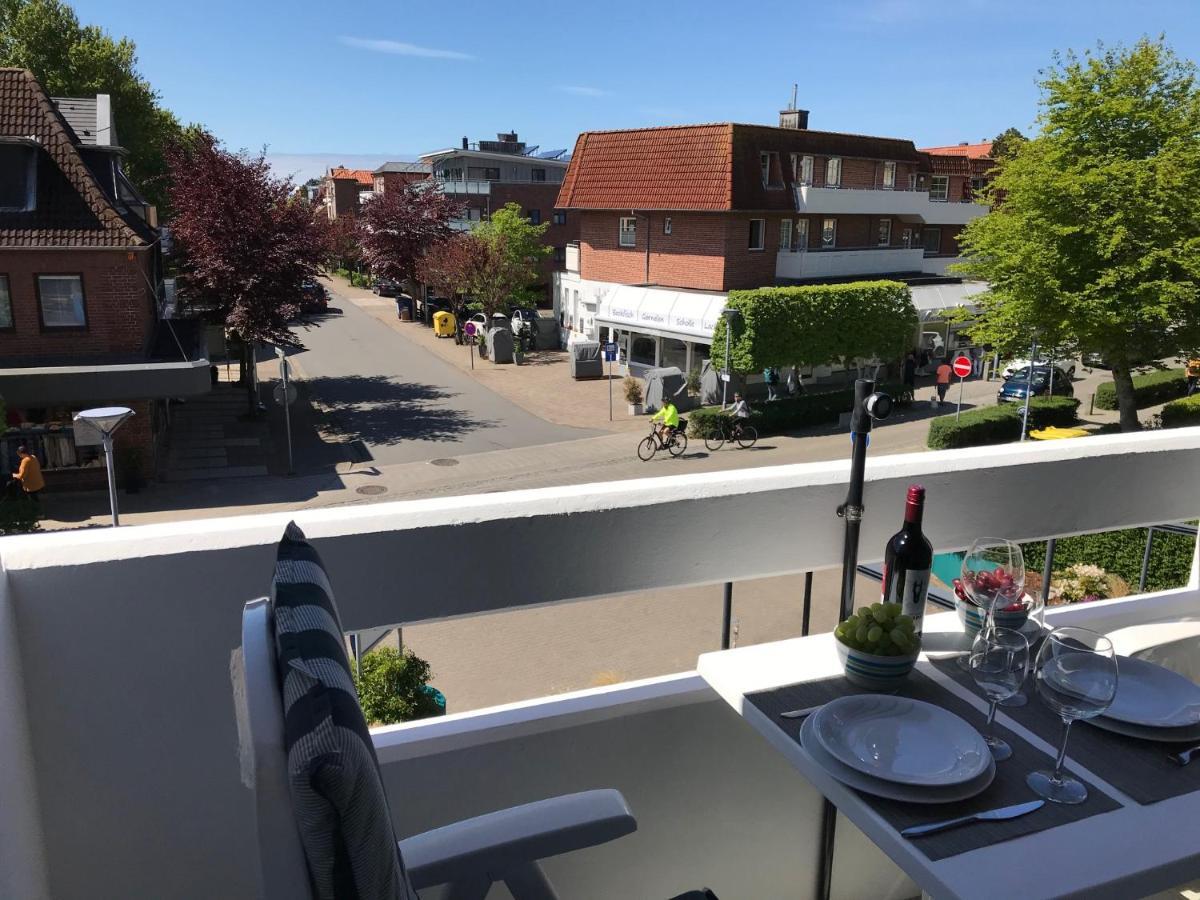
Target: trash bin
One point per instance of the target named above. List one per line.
(404, 308)
(443, 324)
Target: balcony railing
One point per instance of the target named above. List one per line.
(118, 755)
(850, 261)
(859, 201)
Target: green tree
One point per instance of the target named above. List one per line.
(1096, 245)
(513, 261)
(1007, 143)
(817, 325)
(75, 60)
(391, 687)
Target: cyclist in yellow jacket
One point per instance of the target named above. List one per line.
(668, 416)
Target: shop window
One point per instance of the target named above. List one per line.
(674, 353)
(641, 350)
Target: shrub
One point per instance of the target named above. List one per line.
(1149, 389)
(1120, 553)
(633, 390)
(1000, 424)
(391, 687)
(1181, 413)
(788, 414)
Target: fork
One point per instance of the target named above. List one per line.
(1183, 757)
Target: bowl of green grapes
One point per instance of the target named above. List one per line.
(878, 646)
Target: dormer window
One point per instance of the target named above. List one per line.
(18, 177)
(772, 171)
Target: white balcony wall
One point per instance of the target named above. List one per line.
(938, 265)
(946, 213)
(831, 263)
(572, 258)
(126, 638)
(850, 201)
(465, 187)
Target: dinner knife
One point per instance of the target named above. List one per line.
(991, 815)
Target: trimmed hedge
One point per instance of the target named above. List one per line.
(1000, 424)
(776, 416)
(1149, 389)
(1121, 552)
(1181, 413)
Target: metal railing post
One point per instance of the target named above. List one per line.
(807, 604)
(1048, 572)
(1146, 560)
(727, 616)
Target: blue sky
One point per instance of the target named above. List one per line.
(360, 82)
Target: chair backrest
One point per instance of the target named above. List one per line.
(283, 874)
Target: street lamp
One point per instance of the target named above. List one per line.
(106, 420)
(730, 315)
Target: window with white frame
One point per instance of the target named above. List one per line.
(889, 175)
(6, 313)
(939, 188)
(772, 171)
(806, 169)
(627, 236)
(912, 181)
(61, 300)
(801, 239)
(785, 234)
(758, 228)
(828, 234)
(667, 225)
(833, 172)
(884, 236)
(931, 239)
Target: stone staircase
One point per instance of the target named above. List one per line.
(209, 438)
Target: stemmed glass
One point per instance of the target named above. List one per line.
(1076, 676)
(998, 662)
(993, 576)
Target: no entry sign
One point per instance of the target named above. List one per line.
(961, 366)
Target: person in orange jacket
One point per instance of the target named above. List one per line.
(29, 473)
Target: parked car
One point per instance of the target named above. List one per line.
(313, 297)
(385, 288)
(1015, 388)
(1020, 365)
(479, 320)
(1094, 361)
(522, 318)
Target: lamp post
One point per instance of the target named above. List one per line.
(106, 420)
(730, 315)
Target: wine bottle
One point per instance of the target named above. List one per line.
(907, 561)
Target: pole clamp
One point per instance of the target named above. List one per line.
(850, 512)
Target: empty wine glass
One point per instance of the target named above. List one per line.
(993, 577)
(1076, 676)
(998, 663)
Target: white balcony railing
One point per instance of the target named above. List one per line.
(948, 213)
(833, 263)
(572, 257)
(118, 752)
(859, 201)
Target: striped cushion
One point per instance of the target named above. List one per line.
(337, 795)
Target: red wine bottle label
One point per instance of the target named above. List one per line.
(909, 588)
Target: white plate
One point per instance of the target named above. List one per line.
(1152, 696)
(901, 740)
(1189, 734)
(891, 790)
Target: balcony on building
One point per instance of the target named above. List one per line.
(571, 257)
(797, 265)
(837, 201)
(119, 760)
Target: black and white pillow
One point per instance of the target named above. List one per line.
(337, 794)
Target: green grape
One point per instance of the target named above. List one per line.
(874, 634)
(880, 615)
(860, 635)
(892, 609)
(876, 606)
(852, 623)
(899, 636)
(905, 622)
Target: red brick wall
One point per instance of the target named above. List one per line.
(746, 268)
(691, 256)
(120, 312)
(950, 236)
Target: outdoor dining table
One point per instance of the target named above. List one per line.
(1121, 843)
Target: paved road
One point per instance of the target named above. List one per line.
(383, 399)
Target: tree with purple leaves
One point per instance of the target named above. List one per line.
(397, 228)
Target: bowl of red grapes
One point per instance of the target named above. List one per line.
(972, 596)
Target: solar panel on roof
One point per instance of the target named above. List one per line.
(550, 154)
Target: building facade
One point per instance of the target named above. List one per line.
(394, 176)
(671, 219)
(82, 297)
(343, 191)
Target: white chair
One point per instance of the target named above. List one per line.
(468, 856)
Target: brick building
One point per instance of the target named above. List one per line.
(487, 175)
(673, 218)
(393, 176)
(80, 283)
(343, 190)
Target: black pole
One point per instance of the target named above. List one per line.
(727, 616)
(852, 509)
(1146, 560)
(807, 604)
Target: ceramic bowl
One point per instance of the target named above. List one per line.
(874, 672)
(972, 617)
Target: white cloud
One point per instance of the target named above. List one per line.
(399, 48)
(580, 90)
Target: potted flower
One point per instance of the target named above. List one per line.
(633, 395)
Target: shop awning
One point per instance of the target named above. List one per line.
(687, 315)
(932, 299)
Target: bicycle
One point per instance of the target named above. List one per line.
(739, 432)
(675, 444)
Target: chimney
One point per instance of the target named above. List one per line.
(793, 117)
(466, 145)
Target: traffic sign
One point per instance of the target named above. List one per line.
(962, 366)
(469, 329)
(279, 395)
(610, 351)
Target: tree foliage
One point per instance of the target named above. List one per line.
(245, 244)
(341, 238)
(450, 266)
(391, 687)
(75, 60)
(1008, 143)
(817, 325)
(1096, 246)
(396, 228)
(511, 266)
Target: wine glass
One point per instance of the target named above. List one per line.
(1076, 676)
(998, 662)
(993, 576)
(1037, 615)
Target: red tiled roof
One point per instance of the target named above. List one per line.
(699, 167)
(364, 177)
(971, 151)
(72, 210)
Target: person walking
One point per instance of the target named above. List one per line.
(29, 473)
(910, 374)
(771, 377)
(1193, 375)
(943, 381)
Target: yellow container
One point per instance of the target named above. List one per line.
(1054, 433)
(443, 324)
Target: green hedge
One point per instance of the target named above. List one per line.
(778, 416)
(1182, 413)
(1121, 552)
(1150, 389)
(1000, 424)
